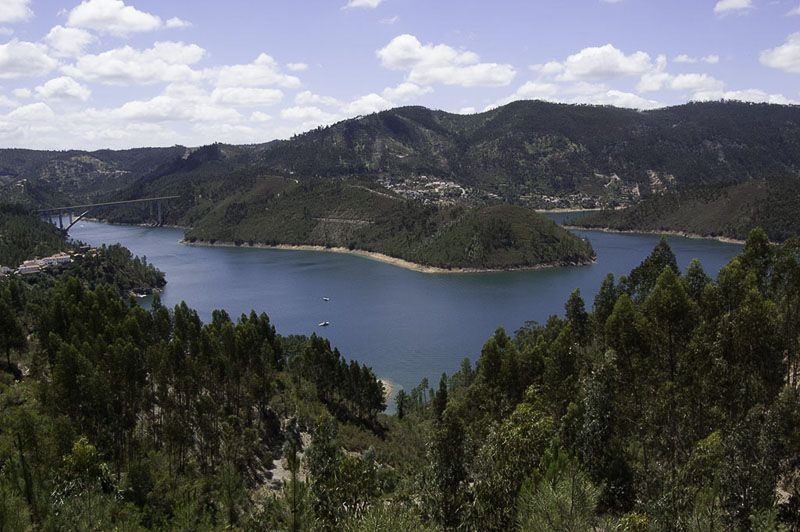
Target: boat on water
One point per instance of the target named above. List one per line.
(326, 299)
(324, 323)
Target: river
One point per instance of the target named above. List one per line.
(406, 325)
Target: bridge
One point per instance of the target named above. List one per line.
(67, 211)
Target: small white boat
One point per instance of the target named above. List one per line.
(324, 323)
(326, 299)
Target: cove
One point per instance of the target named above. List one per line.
(406, 325)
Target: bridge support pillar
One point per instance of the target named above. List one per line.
(160, 220)
(61, 220)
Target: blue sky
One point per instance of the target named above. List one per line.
(126, 73)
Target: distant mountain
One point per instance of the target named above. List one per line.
(523, 149)
(50, 178)
(529, 153)
(547, 148)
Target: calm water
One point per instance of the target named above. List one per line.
(406, 325)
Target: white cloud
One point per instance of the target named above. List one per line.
(164, 62)
(15, 10)
(308, 114)
(389, 20)
(5, 101)
(695, 83)
(34, 112)
(177, 23)
(22, 58)
(258, 116)
(68, 42)
(598, 63)
(297, 67)
(653, 81)
(430, 64)
(370, 4)
(727, 6)
(263, 72)
(794, 12)
(618, 99)
(405, 91)
(749, 95)
(6, 31)
(364, 105)
(179, 102)
(246, 96)
(711, 59)
(308, 98)
(785, 57)
(63, 88)
(22, 92)
(467, 111)
(117, 18)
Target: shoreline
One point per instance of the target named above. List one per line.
(667, 232)
(379, 257)
(563, 210)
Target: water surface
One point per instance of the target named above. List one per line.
(406, 325)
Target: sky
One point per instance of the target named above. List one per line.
(98, 74)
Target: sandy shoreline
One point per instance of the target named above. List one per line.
(684, 234)
(380, 257)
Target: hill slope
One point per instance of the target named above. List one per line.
(347, 213)
(729, 211)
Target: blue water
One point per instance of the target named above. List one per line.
(406, 325)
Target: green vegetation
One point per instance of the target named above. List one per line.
(692, 165)
(730, 211)
(671, 404)
(349, 214)
(24, 237)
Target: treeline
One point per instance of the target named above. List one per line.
(134, 418)
(116, 266)
(23, 236)
(672, 404)
(729, 211)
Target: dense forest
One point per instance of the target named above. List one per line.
(349, 214)
(668, 403)
(729, 211)
(23, 236)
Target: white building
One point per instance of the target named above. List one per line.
(30, 266)
(58, 258)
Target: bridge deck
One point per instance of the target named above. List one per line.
(106, 204)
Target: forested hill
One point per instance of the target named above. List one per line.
(24, 237)
(727, 211)
(350, 214)
(522, 148)
(54, 178)
(551, 147)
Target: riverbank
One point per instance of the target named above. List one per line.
(684, 234)
(380, 257)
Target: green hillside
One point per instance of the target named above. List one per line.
(730, 211)
(347, 213)
(24, 237)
